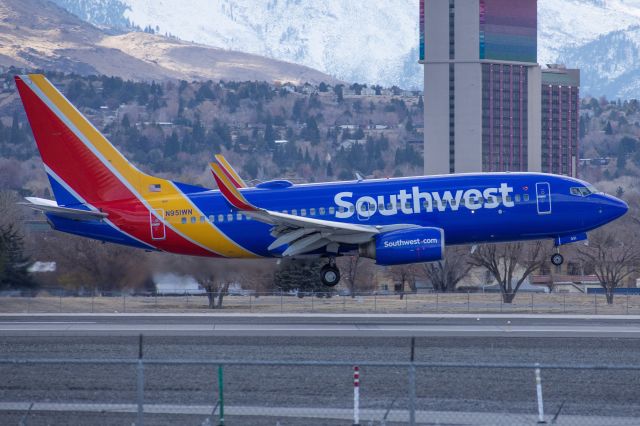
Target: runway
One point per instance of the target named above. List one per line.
(321, 325)
(85, 393)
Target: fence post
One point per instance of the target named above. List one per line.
(595, 303)
(531, 302)
(375, 302)
(313, 296)
(627, 304)
(60, 301)
(412, 394)
(406, 303)
(250, 303)
(124, 303)
(539, 395)
(92, 297)
(344, 303)
(564, 303)
(437, 301)
(281, 300)
(221, 394)
(468, 302)
(356, 395)
(140, 385)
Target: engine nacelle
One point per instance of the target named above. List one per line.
(404, 246)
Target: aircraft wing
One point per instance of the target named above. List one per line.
(50, 206)
(302, 234)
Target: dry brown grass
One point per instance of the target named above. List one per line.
(392, 304)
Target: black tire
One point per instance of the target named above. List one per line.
(557, 259)
(330, 275)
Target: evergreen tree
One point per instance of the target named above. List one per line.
(172, 146)
(608, 130)
(13, 261)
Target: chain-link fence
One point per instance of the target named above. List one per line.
(569, 303)
(209, 392)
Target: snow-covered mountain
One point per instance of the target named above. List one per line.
(377, 41)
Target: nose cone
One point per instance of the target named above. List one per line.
(611, 207)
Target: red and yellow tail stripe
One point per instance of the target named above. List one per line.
(229, 190)
(233, 176)
(86, 161)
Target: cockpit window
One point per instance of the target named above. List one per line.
(583, 191)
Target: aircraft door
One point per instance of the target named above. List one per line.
(365, 209)
(543, 197)
(158, 230)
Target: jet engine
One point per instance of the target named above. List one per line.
(413, 245)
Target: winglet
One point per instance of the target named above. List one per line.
(229, 190)
(233, 176)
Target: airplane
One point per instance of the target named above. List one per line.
(100, 195)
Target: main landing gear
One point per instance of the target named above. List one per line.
(330, 274)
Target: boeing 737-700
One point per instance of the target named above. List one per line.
(101, 195)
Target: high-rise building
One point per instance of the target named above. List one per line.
(482, 86)
(560, 118)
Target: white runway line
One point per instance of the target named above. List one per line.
(436, 417)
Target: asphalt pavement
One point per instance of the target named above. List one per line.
(81, 394)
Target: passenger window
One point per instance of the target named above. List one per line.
(184, 220)
(229, 217)
(220, 218)
(526, 197)
(508, 198)
(212, 218)
(239, 216)
(322, 211)
(517, 198)
(312, 212)
(193, 219)
(575, 191)
(202, 219)
(372, 207)
(303, 212)
(294, 212)
(332, 210)
(352, 209)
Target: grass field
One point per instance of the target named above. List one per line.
(410, 303)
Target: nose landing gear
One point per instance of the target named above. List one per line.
(330, 274)
(557, 259)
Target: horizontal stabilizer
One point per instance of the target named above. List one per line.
(50, 206)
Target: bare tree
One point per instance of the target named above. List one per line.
(85, 263)
(404, 275)
(510, 264)
(217, 275)
(447, 273)
(614, 254)
(358, 273)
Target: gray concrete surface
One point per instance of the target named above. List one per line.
(323, 325)
(456, 395)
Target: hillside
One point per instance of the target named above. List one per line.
(55, 40)
(375, 45)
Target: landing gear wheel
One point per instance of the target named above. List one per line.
(557, 259)
(330, 275)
